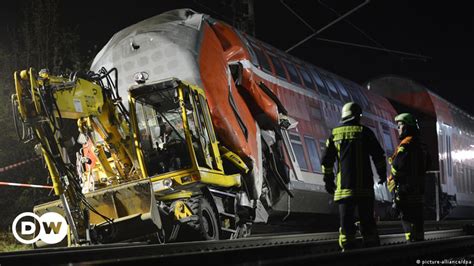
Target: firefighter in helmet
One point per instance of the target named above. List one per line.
(409, 164)
(352, 145)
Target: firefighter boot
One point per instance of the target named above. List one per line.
(346, 241)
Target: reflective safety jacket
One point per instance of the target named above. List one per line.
(409, 164)
(351, 145)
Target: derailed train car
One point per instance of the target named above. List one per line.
(245, 77)
(213, 54)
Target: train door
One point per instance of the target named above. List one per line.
(295, 174)
(389, 148)
(446, 162)
(381, 191)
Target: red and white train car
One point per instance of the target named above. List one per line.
(449, 133)
(257, 80)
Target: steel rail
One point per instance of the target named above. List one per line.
(275, 249)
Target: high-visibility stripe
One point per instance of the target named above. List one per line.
(391, 184)
(407, 236)
(327, 170)
(338, 148)
(406, 140)
(393, 171)
(338, 181)
(351, 192)
(339, 176)
(349, 135)
(347, 129)
(347, 132)
(344, 193)
(401, 149)
(342, 238)
(345, 239)
(23, 185)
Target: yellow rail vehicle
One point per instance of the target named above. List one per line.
(153, 171)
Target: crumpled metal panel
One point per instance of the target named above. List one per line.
(163, 46)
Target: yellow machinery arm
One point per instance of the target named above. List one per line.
(42, 101)
(51, 98)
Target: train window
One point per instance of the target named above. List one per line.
(313, 154)
(448, 151)
(321, 86)
(467, 178)
(457, 172)
(464, 177)
(387, 139)
(322, 146)
(262, 59)
(250, 44)
(344, 93)
(442, 150)
(279, 70)
(359, 97)
(292, 71)
(308, 83)
(363, 98)
(315, 113)
(442, 172)
(471, 177)
(376, 132)
(299, 151)
(332, 87)
(354, 93)
(467, 183)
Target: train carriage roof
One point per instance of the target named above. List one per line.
(414, 95)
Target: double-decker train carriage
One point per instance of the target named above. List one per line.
(260, 80)
(449, 133)
(215, 55)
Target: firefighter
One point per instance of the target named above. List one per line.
(351, 144)
(409, 164)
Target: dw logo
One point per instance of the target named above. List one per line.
(52, 228)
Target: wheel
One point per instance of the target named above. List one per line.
(207, 224)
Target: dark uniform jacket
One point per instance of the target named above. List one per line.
(351, 145)
(409, 164)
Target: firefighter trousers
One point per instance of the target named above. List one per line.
(411, 215)
(368, 229)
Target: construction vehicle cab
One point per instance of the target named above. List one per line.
(179, 152)
(173, 126)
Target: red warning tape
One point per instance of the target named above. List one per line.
(23, 185)
(11, 166)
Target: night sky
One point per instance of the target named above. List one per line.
(439, 30)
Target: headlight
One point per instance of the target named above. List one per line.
(167, 183)
(162, 184)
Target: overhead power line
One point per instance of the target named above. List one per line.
(352, 24)
(374, 48)
(325, 27)
(379, 46)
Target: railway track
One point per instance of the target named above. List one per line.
(384, 227)
(278, 250)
